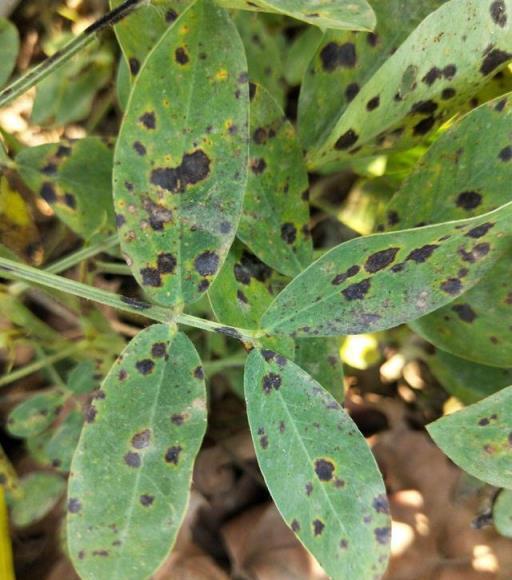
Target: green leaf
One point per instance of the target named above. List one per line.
(35, 413)
(380, 281)
(244, 288)
(131, 473)
(447, 58)
(68, 96)
(139, 32)
(181, 167)
(61, 173)
(60, 447)
(320, 357)
(343, 14)
(275, 218)
(465, 173)
(502, 513)
(123, 84)
(300, 53)
(479, 438)
(9, 48)
(82, 378)
(468, 381)
(318, 468)
(345, 61)
(263, 51)
(40, 494)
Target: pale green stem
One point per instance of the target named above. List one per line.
(216, 366)
(42, 70)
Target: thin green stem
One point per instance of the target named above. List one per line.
(112, 268)
(42, 363)
(217, 366)
(42, 70)
(15, 270)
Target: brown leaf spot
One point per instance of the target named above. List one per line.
(469, 200)
(207, 263)
(288, 233)
(159, 349)
(357, 291)
(340, 278)
(346, 140)
(380, 260)
(74, 505)
(324, 469)
(195, 167)
(132, 459)
(295, 526)
(146, 500)
(172, 454)
(141, 440)
(499, 13)
(452, 286)
(181, 56)
(420, 255)
(383, 535)
(465, 312)
(151, 277)
(480, 231)
(148, 119)
(271, 381)
(318, 527)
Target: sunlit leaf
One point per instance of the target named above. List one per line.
(275, 218)
(344, 14)
(445, 60)
(479, 438)
(131, 473)
(180, 166)
(75, 179)
(318, 468)
(379, 281)
(465, 173)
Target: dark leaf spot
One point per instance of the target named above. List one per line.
(424, 107)
(432, 76)
(181, 55)
(172, 454)
(48, 192)
(420, 255)
(465, 312)
(334, 56)
(177, 419)
(194, 168)
(132, 459)
(480, 231)
(288, 233)
(318, 527)
(383, 535)
(199, 373)
(499, 13)
(207, 263)
(258, 166)
(69, 200)
(271, 381)
(166, 263)
(151, 277)
(148, 120)
(309, 488)
(506, 153)
(469, 200)
(134, 65)
(381, 504)
(448, 93)
(452, 286)
(340, 278)
(295, 526)
(424, 126)
(74, 505)
(90, 414)
(141, 440)
(494, 59)
(139, 148)
(351, 91)
(146, 500)
(159, 349)
(324, 469)
(380, 260)
(373, 103)
(357, 291)
(347, 140)
(264, 441)
(145, 366)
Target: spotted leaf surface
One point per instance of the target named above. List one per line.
(479, 438)
(320, 357)
(140, 31)
(63, 442)
(344, 14)
(263, 51)
(274, 223)
(244, 288)
(502, 513)
(181, 167)
(345, 61)
(444, 61)
(39, 494)
(36, 413)
(61, 173)
(465, 173)
(131, 472)
(9, 47)
(468, 381)
(380, 281)
(318, 468)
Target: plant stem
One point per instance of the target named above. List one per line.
(42, 70)
(216, 366)
(11, 269)
(41, 364)
(112, 268)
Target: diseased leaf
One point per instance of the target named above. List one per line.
(320, 357)
(35, 413)
(62, 444)
(465, 173)
(479, 438)
(180, 166)
(448, 58)
(345, 61)
(318, 468)
(274, 223)
(82, 378)
(380, 281)
(131, 473)
(139, 32)
(300, 53)
(344, 14)
(244, 288)
(62, 175)
(9, 48)
(40, 492)
(468, 381)
(263, 52)
(502, 513)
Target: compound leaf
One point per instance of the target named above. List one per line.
(131, 473)
(274, 223)
(343, 14)
(465, 173)
(181, 167)
(447, 59)
(318, 468)
(9, 48)
(379, 281)
(345, 61)
(479, 438)
(62, 174)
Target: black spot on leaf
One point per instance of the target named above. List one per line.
(347, 140)
(148, 120)
(351, 91)
(132, 459)
(181, 56)
(506, 153)
(207, 263)
(141, 440)
(295, 526)
(258, 166)
(373, 103)
(159, 349)
(432, 76)
(166, 263)
(318, 527)
(499, 13)
(199, 373)
(172, 454)
(151, 277)
(177, 419)
(420, 255)
(383, 535)
(145, 366)
(334, 56)
(452, 286)
(424, 107)
(469, 200)
(424, 126)
(48, 193)
(480, 231)
(271, 381)
(194, 168)
(324, 469)
(146, 500)
(380, 260)
(381, 504)
(139, 148)
(493, 59)
(134, 65)
(465, 312)
(340, 278)
(357, 291)
(74, 505)
(288, 233)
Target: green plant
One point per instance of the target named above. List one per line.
(211, 209)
